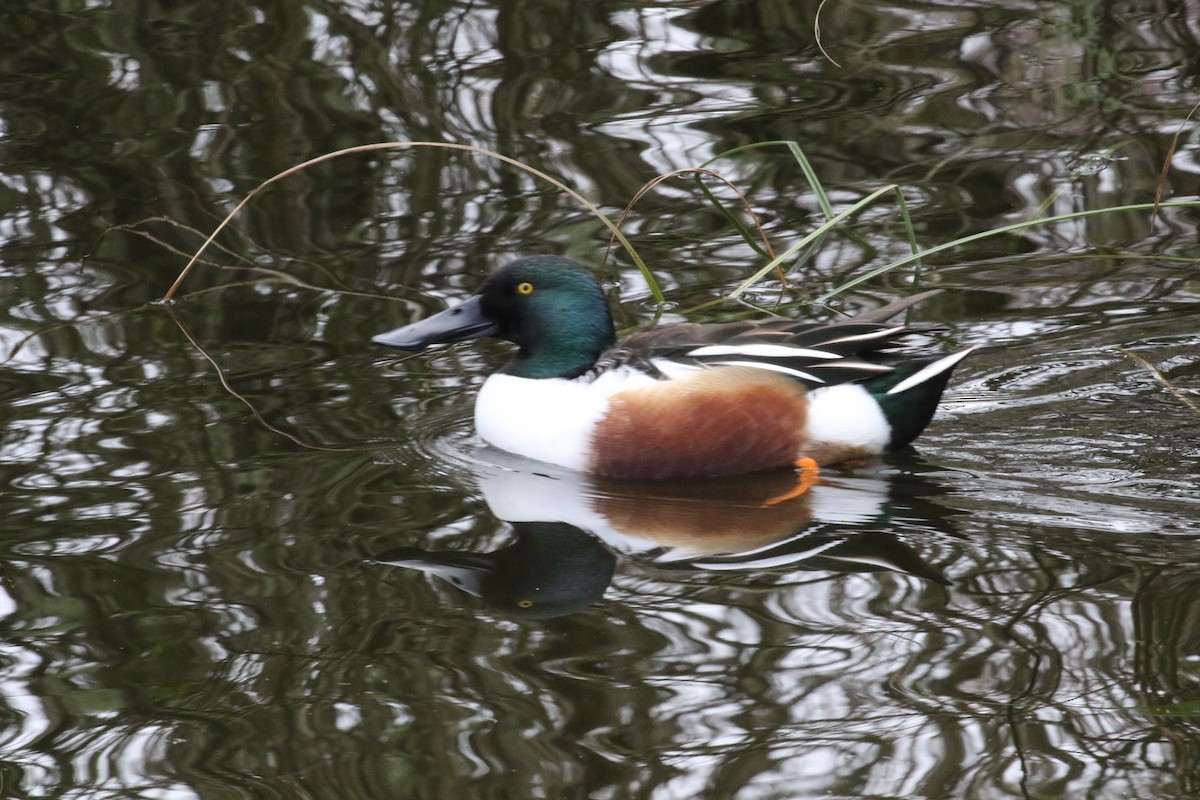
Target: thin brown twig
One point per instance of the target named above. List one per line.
(655, 181)
(1160, 377)
(24, 340)
(225, 383)
(247, 264)
(1166, 168)
(132, 227)
(291, 280)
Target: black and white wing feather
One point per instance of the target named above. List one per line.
(814, 354)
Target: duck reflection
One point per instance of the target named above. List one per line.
(569, 530)
(549, 570)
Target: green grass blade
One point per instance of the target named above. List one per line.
(810, 175)
(1016, 226)
(813, 236)
(734, 221)
(806, 167)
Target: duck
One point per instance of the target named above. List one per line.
(685, 399)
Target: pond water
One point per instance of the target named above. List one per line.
(245, 554)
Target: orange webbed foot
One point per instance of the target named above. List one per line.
(809, 473)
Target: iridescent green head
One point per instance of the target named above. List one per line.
(549, 306)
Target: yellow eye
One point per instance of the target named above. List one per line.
(525, 603)
(525, 287)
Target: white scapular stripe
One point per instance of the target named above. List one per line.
(861, 366)
(674, 369)
(866, 337)
(794, 373)
(930, 371)
(760, 351)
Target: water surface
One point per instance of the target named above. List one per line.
(231, 526)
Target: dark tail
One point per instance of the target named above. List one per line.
(910, 395)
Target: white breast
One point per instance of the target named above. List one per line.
(548, 419)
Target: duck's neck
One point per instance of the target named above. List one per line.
(566, 353)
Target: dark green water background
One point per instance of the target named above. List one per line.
(189, 605)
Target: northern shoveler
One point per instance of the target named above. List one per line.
(685, 399)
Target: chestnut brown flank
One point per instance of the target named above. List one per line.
(716, 422)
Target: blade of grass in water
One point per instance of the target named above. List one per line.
(832, 219)
(806, 167)
(1016, 226)
(813, 236)
(763, 249)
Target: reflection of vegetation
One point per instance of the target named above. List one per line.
(799, 251)
(176, 99)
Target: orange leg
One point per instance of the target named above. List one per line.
(809, 472)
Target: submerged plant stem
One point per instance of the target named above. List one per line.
(225, 384)
(1161, 378)
(1016, 226)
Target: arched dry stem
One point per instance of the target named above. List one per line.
(817, 34)
(698, 171)
(382, 146)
